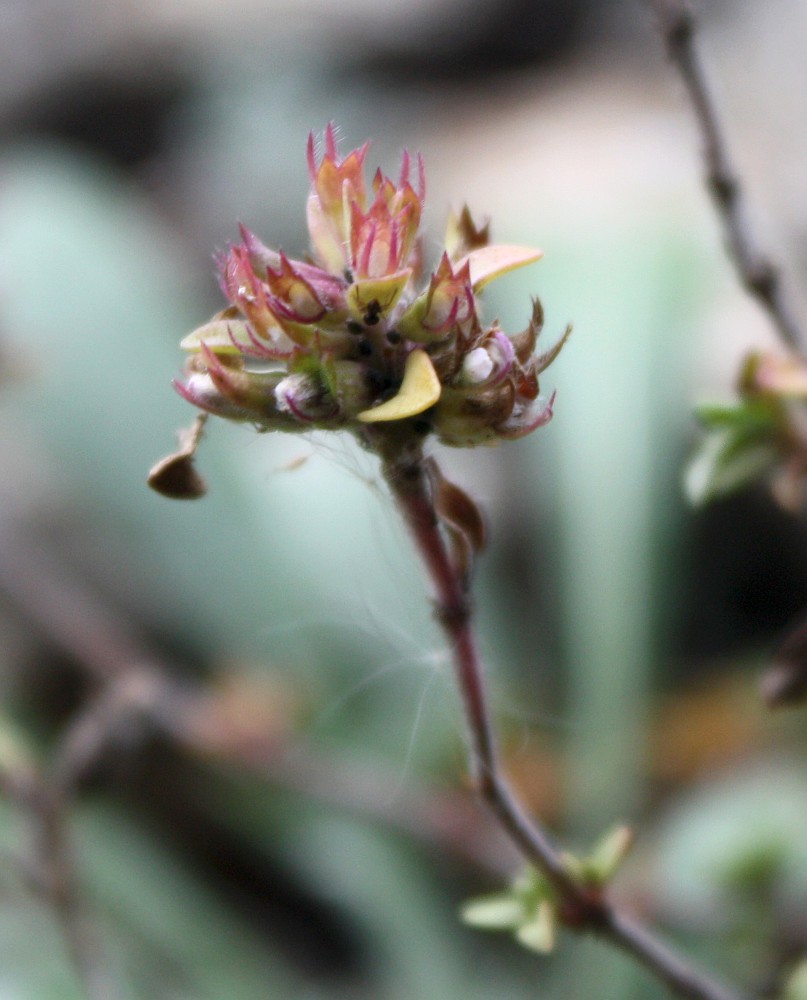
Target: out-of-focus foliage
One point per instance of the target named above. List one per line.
(758, 437)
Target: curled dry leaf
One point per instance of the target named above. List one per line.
(461, 517)
(176, 476)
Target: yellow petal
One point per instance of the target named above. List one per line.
(376, 295)
(488, 263)
(419, 390)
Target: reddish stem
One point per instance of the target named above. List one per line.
(411, 488)
(580, 908)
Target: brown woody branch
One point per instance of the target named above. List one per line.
(757, 273)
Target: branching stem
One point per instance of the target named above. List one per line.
(757, 273)
(581, 909)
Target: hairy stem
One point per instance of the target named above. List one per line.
(412, 491)
(580, 908)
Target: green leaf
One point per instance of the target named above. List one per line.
(539, 933)
(498, 912)
(724, 462)
(608, 854)
(752, 416)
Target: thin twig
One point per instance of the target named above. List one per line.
(755, 270)
(48, 868)
(138, 691)
(60, 888)
(581, 909)
(136, 696)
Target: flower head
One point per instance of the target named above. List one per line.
(354, 337)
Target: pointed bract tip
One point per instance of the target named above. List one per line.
(330, 140)
(310, 156)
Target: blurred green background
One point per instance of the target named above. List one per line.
(311, 837)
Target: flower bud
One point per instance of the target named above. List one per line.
(353, 338)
